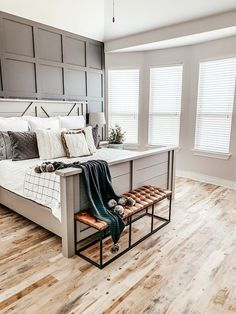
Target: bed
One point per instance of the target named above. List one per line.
(129, 170)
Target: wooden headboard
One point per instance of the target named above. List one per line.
(41, 108)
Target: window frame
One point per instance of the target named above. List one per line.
(120, 68)
(167, 65)
(208, 153)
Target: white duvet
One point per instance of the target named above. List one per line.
(13, 174)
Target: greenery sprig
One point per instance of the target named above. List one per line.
(116, 135)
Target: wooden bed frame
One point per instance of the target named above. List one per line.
(154, 166)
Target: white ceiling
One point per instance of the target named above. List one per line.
(93, 18)
(83, 17)
(183, 41)
(135, 16)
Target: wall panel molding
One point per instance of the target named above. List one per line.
(41, 62)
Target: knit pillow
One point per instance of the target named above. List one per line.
(49, 144)
(24, 145)
(75, 144)
(91, 135)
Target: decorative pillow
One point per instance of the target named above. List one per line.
(44, 123)
(50, 144)
(5, 146)
(95, 136)
(75, 144)
(14, 124)
(89, 139)
(72, 122)
(24, 145)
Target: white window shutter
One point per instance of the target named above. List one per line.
(123, 101)
(216, 91)
(165, 105)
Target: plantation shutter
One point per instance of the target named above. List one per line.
(215, 105)
(123, 101)
(165, 105)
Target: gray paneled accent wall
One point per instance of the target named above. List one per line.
(42, 62)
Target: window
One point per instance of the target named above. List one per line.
(165, 105)
(215, 105)
(123, 101)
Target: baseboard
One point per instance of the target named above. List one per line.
(207, 179)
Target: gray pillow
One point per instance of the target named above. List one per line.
(5, 146)
(95, 136)
(24, 145)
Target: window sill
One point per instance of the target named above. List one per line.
(149, 146)
(216, 155)
(131, 146)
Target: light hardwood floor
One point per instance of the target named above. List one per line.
(187, 267)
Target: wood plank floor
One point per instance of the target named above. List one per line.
(187, 267)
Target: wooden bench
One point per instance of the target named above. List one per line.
(145, 197)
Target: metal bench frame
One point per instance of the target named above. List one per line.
(104, 234)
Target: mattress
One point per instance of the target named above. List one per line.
(13, 175)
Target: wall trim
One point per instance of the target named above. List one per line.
(207, 179)
(195, 26)
(218, 155)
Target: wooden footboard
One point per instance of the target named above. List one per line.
(157, 169)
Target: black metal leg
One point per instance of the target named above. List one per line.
(101, 249)
(170, 206)
(130, 220)
(152, 218)
(130, 230)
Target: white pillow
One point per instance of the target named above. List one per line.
(89, 139)
(72, 122)
(14, 124)
(50, 144)
(76, 145)
(44, 123)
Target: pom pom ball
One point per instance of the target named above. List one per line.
(50, 168)
(119, 210)
(112, 203)
(43, 167)
(115, 248)
(37, 169)
(122, 201)
(130, 201)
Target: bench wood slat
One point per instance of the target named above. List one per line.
(144, 197)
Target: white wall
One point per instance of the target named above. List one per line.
(219, 171)
(85, 18)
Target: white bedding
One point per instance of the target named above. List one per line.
(13, 173)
